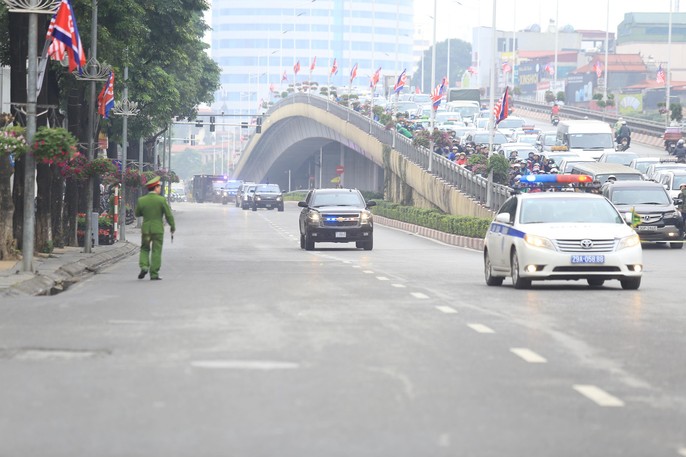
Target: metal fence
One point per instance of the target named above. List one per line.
(471, 184)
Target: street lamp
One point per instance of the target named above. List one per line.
(124, 108)
(33, 8)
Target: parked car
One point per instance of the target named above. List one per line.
(620, 157)
(242, 195)
(336, 216)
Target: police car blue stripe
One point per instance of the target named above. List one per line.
(506, 230)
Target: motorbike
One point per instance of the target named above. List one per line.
(555, 120)
(622, 144)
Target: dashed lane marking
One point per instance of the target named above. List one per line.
(528, 355)
(446, 309)
(244, 364)
(369, 272)
(419, 295)
(399, 286)
(382, 278)
(598, 395)
(480, 328)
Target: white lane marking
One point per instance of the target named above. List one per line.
(528, 355)
(127, 322)
(244, 364)
(682, 451)
(446, 309)
(369, 272)
(382, 278)
(598, 395)
(399, 286)
(419, 295)
(480, 328)
(356, 266)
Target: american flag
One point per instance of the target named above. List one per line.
(353, 73)
(660, 76)
(506, 67)
(296, 67)
(334, 67)
(598, 67)
(65, 38)
(400, 83)
(375, 78)
(501, 108)
(106, 97)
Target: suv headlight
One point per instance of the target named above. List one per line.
(365, 217)
(279, 198)
(314, 217)
(629, 242)
(539, 241)
(257, 197)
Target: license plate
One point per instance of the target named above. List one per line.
(268, 205)
(588, 259)
(647, 228)
(340, 234)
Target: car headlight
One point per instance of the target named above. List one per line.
(257, 197)
(539, 241)
(314, 217)
(278, 199)
(629, 242)
(365, 217)
(675, 214)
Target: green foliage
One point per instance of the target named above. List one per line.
(421, 139)
(500, 167)
(457, 225)
(460, 60)
(517, 91)
(53, 145)
(560, 96)
(549, 96)
(100, 167)
(676, 112)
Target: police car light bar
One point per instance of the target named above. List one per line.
(556, 179)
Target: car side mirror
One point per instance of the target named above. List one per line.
(677, 201)
(503, 217)
(302, 204)
(371, 203)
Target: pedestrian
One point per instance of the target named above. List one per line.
(153, 207)
(682, 205)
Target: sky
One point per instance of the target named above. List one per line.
(456, 18)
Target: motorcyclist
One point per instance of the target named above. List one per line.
(680, 151)
(624, 132)
(555, 111)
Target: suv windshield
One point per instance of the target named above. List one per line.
(268, 188)
(643, 196)
(336, 199)
(566, 210)
(591, 141)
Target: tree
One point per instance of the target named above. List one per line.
(460, 60)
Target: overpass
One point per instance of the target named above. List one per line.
(309, 141)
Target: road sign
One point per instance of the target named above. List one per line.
(340, 169)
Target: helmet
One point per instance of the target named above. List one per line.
(612, 178)
(623, 122)
(681, 141)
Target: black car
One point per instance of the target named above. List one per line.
(336, 216)
(660, 221)
(267, 196)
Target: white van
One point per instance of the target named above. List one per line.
(587, 138)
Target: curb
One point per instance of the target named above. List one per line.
(447, 238)
(71, 273)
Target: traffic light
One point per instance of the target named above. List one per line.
(198, 123)
(211, 123)
(258, 127)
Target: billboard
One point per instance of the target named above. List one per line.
(630, 103)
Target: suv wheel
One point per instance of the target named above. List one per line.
(254, 207)
(368, 245)
(302, 241)
(630, 283)
(281, 208)
(517, 280)
(595, 282)
(676, 245)
(488, 272)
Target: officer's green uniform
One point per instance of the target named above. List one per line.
(152, 207)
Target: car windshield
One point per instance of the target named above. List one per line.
(678, 180)
(591, 140)
(550, 139)
(232, 185)
(619, 176)
(639, 196)
(466, 111)
(642, 166)
(268, 188)
(336, 199)
(624, 159)
(511, 124)
(482, 138)
(568, 210)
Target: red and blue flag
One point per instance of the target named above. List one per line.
(501, 108)
(402, 79)
(353, 73)
(437, 95)
(106, 97)
(66, 39)
(375, 78)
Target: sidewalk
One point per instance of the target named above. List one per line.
(55, 272)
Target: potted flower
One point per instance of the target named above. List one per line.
(134, 178)
(100, 167)
(74, 167)
(53, 145)
(12, 140)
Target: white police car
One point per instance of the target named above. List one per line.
(561, 235)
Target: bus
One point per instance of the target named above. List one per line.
(456, 94)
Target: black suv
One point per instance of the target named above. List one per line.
(336, 216)
(660, 221)
(267, 196)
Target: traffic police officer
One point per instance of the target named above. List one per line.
(152, 207)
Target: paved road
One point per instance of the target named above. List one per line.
(253, 347)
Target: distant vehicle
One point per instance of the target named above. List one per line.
(601, 172)
(267, 196)
(483, 137)
(469, 110)
(421, 99)
(567, 164)
(589, 138)
(464, 95)
(411, 108)
(546, 140)
(671, 180)
(208, 188)
(336, 216)
(642, 164)
(621, 157)
(242, 195)
(523, 150)
(652, 170)
(229, 190)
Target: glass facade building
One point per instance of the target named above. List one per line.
(256, 43)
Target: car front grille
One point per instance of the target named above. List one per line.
(586, 269)
(584, 246)
(341, 220)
